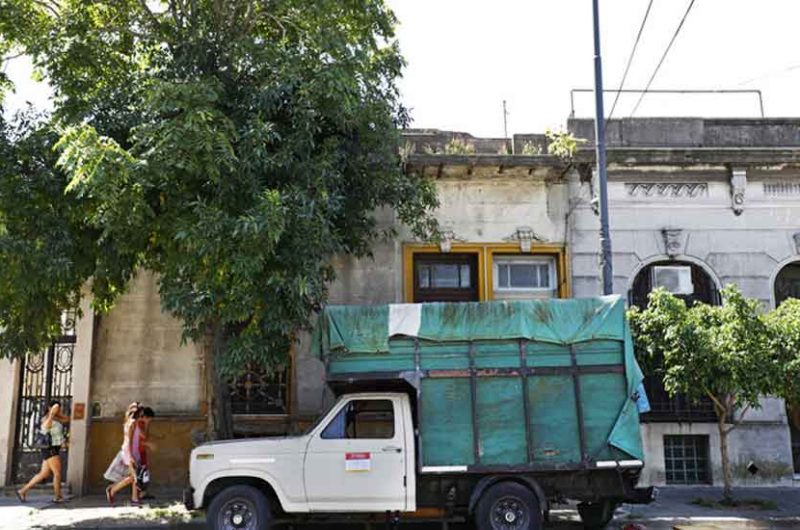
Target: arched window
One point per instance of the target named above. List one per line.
(690, 282)
(787, 285)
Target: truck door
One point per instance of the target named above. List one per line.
(356, 462)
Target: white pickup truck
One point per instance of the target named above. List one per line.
(487, 430)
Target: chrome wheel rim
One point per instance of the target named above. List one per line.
(238, 514)
(509, 513)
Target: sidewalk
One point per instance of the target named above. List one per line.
(672, 510)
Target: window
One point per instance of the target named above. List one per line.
(692, 284)
(686, 459)
(261, 391)
(471, 272)
(523, 277)
(445, 277)
(366, 419)
(523, 274)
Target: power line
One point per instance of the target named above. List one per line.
(771, 74)
(663, 57)
(630, 59)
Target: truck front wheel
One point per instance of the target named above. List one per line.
(239, 508)
(508, 506)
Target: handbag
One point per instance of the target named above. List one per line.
(42, 440)
(142, 475)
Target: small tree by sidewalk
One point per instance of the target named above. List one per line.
(720, 352)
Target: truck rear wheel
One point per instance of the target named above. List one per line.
(239, 508)
(596, 515)
(508, 506)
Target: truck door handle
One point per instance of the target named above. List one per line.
(392, 449)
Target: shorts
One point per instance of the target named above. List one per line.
(50, 452)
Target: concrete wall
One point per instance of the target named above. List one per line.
(138, 356)
(9, 390)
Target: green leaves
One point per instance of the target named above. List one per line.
(784, 342)
(234, 148)
(732, 353)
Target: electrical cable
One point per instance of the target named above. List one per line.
(630, 60)
(663, 57)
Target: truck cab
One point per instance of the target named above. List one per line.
(359, 458)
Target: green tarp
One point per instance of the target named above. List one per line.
(364, 339)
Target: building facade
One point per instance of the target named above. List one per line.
(717, 200)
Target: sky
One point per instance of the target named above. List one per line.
(466, 56)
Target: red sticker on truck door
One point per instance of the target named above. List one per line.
(357, 462)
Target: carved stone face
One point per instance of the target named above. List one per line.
(673, 241)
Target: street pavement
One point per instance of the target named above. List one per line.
(672, 510)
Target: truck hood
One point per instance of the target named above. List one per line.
(259, 447)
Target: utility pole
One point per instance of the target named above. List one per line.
(600, 144)
(505, 120)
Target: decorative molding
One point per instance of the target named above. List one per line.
(796, 238)
(738, 188)
(782, 189)
(674, 241)
(686, 190)
(526, 236)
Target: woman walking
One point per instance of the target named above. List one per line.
(129, 459)
(52, 427)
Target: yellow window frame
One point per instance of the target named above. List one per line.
(485, 253)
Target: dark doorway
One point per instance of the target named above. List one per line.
(44, 376)
(787, 285)
(446, 278)
(702, 289)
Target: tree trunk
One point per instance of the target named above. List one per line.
(220, 418)
(727, 491)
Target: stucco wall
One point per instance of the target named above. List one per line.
(8, 413)
(747, 249)
(138, 356)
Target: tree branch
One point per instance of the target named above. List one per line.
(717, 404)
(47, 6)
(150, 15)
(738, 422)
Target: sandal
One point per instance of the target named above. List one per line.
(58, 500)
(109, 496)
(136, 504)
(21, 497)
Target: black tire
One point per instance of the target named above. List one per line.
(596, 515)
(239, 508)
(508, 506)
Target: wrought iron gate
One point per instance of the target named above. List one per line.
(44, 376)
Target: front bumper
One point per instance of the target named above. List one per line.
(188, 498)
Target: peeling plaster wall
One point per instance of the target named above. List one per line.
(477, 210)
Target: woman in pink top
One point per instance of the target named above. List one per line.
(129, 455)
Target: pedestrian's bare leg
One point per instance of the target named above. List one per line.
(41, 476)
(55, 466)
(121, 485)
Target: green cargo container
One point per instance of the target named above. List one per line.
(537, 385)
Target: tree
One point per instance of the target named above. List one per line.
(233, 148)
(720, 352)
(784, 330)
